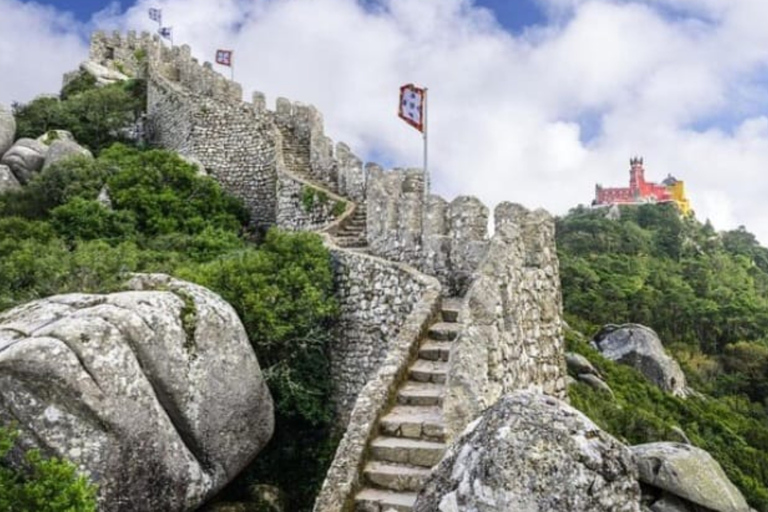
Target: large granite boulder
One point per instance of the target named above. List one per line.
(689, 473)
(7, 129)
(53, 135)
(531, 452)
(62, 149)
(638, 346)
(7, 180)
(155, 392)
(25, 158)
(103, 75)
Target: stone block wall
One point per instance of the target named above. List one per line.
(304, 207)
(237, 144)
(512, 319)
(380, 381)
(376, 297)
(445, 240)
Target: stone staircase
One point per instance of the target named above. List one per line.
(352, 233)
(411, 437)
(296, 155)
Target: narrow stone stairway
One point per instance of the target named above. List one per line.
(296, 155)
(352, 233)
(411, 436)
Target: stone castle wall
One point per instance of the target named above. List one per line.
(512, 334)
(267, 159)
(377, 297)
(235, 143)
(445, 240)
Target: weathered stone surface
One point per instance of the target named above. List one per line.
(7, 129)
(25, 158)
(671, 503)
(102, 74)
(595, 382)
(7, 180)
(578, 364)
(155, 393)
(511, 340)
(62, 149)
(690, 473)
(638, 346)
(531, 452)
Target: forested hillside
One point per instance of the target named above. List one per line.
(706, 294)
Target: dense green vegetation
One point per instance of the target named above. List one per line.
(57, 237)
(706, 294)
(97, 117)
(48, 485)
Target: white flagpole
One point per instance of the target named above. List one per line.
(426, 169)
(232, 66)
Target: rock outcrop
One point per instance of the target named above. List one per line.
(7, 129)
(7, 180)
(531, 452)
(155, 392)
(639, 346)
(62, 149)
(25, 158)
(690, 473)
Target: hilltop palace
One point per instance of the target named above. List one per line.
(671, 190)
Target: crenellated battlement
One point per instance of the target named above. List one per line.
(145, 54)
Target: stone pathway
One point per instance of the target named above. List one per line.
(352, 233)
(411, 436)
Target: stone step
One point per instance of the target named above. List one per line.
(444, 331)
(450, 310)
(396, 477)
(403, 450)
(415, 422)
(435, 350)
(429, 371)
(377, 500)
(420, 393)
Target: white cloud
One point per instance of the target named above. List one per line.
(37, 44)
(505, 109)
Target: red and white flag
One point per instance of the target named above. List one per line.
(411, 109)
(224, 57)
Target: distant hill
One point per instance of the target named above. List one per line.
(706, 294)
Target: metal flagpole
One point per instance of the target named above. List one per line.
(232, 66)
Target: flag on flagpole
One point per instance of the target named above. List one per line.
(156, 15)
(412, 106)
(224, 57)
(166, 32)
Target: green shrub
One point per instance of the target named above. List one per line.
(49, 485)
(81, 219)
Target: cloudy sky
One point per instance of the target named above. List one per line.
(532, 101)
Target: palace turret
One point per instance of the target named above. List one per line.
(671, 190)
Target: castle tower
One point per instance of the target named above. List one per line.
(636, 176)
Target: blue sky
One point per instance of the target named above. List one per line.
(514, 15)
(535, 108)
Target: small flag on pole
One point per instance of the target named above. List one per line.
(224, 57)
(156, 15)
(411, 109)
(166, 32)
